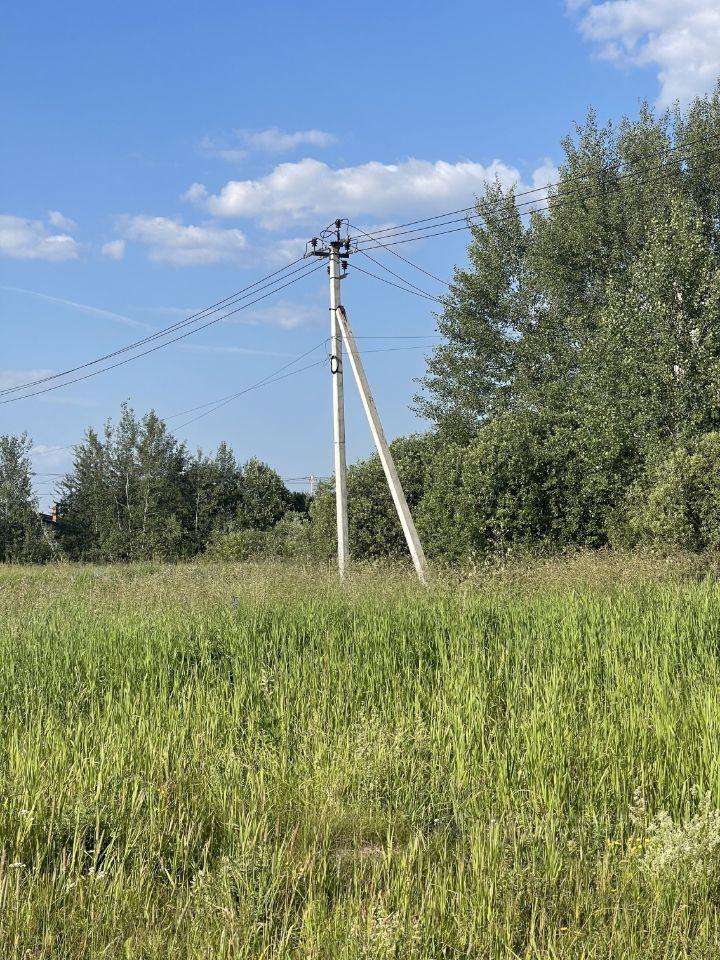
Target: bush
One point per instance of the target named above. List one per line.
(291, 537)
(374, 527)
(236, 545)
(506, 490)
(677, 503)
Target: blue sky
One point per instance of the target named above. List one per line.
(158, 156)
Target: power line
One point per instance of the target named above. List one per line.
(469, 221)
(425, 296)
(233, 396)
(400, 256)
(312, 476)
(397, 276)
(387, 233)
(390, 233)
(167, 343)
(419, 346)
(401, 336)
(223, 401)
(272, 377)
(259, 383)
(52, 450)
(664, 151)
(180, 324)
(552, 204)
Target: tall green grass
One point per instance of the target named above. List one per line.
(201, 762)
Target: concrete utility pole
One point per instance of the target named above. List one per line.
(336, 369)
(337, 251)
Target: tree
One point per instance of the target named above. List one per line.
(214, 486)
(518, 319)
(21, 532)
(592, 329)
(469, 376)
(263, 497)
(652, 370)
(126, 498)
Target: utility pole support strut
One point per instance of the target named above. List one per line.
(383, 449)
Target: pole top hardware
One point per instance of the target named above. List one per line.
(330, 240)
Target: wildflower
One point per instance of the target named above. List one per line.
(690, 845)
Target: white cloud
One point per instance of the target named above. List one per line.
(196, 193)
(172, 242)
(282, 251)
(59, 220)
(284, 314)
(32, 240)
(82, 307)
(51, 454)
(310, 190)
(680, 38)
(114, 249)
(222, 149)
(15, 378)
(273, 140)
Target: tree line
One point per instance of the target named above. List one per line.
(136, 493)
(574, 399)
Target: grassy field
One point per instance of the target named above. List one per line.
(206, 762)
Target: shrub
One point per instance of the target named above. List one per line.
(506, 490)
(677, 502)
(374, 527)
(291, 537)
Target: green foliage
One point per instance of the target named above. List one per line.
(290, 538)
(677, 503)
(495, 493)
(22, 538)
(125, 499)
(215, 489)
(231, 546)
(263, 499)
(469, 375)
(374, 528)
(295, 537)
(135, 494)
(579, 345)
(653, 366)
(578, 373)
